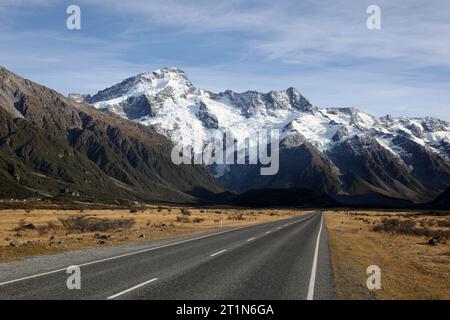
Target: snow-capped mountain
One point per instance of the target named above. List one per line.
(167, 100)
(338, 150)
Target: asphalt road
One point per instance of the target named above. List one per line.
(286, 259)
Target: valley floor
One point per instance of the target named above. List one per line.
(25, 232)
(410, 248)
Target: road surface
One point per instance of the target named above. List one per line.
(285, 259)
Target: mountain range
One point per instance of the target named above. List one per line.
(115, 145)
(349, 154)
(52, 146)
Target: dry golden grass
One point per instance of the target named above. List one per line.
(411, 268)
(150, 222)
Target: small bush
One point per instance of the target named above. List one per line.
(161, 226)
(183, 219)
(198, 220)
(185, 212)
(22, 226)
(89, 224)
(236, 216)
(133, 210)
(46, 228)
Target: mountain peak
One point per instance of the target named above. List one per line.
(168, 73)
(145, 84)
(292, 90)
(61, 144)
(169, 70)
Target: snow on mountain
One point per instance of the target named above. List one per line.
(344, 150)
(167, 100)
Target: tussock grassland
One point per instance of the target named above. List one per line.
(25, 232)
(412, 249)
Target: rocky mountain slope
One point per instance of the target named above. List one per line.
(342, 151)
(51, 145)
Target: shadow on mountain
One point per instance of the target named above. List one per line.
(442, 202)
(205, 196)
(306, 198)
(372, 200)
(312, 199)
(284, 198)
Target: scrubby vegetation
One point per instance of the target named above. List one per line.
(236, 216)
(90, 224)
(410, 227)
(185, 212)
(183, 219)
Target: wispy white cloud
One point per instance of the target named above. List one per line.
(310, 31)
(321, 47)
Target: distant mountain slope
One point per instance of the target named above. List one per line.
(342, 151)
(284, 198)
(441, 202)
(50, 144)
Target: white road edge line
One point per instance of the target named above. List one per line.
(131, 289)
(312, 280)
(132, 253)
(268, 231)
(215, 254)
(251, 239)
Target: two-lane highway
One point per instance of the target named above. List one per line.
(285, 259)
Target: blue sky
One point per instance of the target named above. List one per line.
(323, 48)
